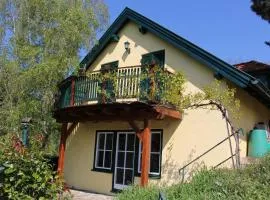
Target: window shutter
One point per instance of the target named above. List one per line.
(148, 60)
(153, 58)
(108, 67)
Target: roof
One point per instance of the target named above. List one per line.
(223, 69)
(252, 66)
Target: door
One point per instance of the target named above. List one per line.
(124, 160)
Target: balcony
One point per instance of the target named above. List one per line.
(99, 96)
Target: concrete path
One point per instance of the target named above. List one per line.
(80, 195)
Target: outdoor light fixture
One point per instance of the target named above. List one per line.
(127, 46)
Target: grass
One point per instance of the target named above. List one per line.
(249, 183)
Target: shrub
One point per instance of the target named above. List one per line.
(27, 174)
(136, 192)
(252, 182)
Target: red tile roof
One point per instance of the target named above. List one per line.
(252, 66)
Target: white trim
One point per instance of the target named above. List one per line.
(127, 100)
(157, 153)
(104, 150)
(117, 185)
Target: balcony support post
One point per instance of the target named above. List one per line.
(136, 128)
(62, 147)
(145, 164)
(72, 95)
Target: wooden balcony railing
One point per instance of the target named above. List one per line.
(127, 85)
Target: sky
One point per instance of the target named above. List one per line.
(226, 28)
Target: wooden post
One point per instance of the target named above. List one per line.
(72, 97)
(145, 164)
(62, 147)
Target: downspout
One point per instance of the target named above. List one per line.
(230, 142)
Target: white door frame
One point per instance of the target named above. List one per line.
(117, 185)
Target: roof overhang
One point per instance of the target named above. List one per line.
(115, 112)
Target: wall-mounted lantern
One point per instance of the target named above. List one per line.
(127, 48)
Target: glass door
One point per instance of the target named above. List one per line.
(124, 160)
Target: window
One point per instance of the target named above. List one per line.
(155, 154)
(104, 150)
(154, 58)
(108, 67)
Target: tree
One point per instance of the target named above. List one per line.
(27, 174)
(262, 8)
(40, 41)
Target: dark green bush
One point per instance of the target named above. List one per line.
(252, 182)
(27, 173)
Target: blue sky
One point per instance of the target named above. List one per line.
(226, 28)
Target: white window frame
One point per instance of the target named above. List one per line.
(104, 150)
(159, 153)
(116, 185)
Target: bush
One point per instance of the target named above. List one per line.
(252, 182)
(136, 192)
(27, 173)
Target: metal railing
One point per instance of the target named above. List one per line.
(209, 150)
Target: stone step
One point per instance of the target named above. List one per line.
(248, 160)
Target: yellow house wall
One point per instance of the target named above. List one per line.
(182, 141)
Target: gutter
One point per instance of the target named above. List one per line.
(258, 87)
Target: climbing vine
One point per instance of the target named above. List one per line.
(159, 86)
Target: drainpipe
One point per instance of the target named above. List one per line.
(25, 130)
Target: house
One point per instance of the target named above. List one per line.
(100, 149)
(256, 69)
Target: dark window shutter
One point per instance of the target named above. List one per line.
(108, 67)
(151, 59)
(154, 58)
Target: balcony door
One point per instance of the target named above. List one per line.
(124, 160)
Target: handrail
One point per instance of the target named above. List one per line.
(77, 90)
(126, 84)
(126, 67)
(224, 161)
(198, 157)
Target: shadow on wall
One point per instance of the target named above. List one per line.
(125, 55)
(170, 166)
(171, 169)
(72, 135)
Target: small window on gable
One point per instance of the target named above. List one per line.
(103, 151)
(154, 58)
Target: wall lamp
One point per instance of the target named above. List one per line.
(127, 48)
